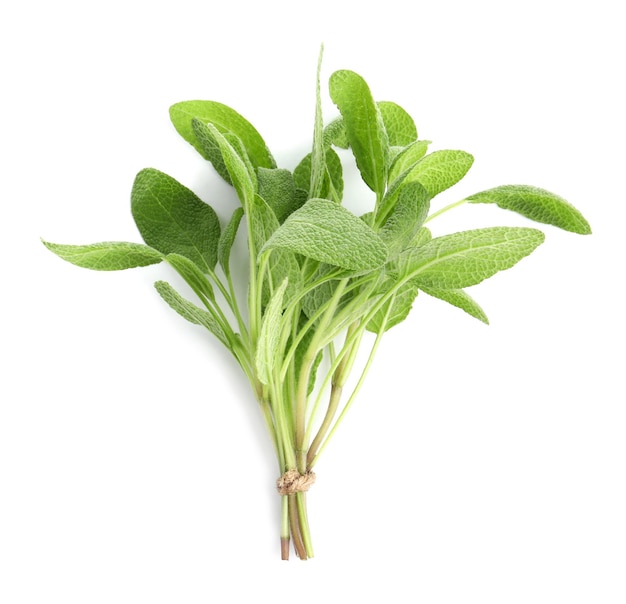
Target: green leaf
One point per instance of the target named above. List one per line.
(194, 277)
(173, 219)
(467, 258)
(406, 217)
(460, 299)
(107, 256)
(227, 239)
(239, 171)
(225, 119)
(364, 127)
(282, 263)
(318, 155)
(328, 232)
(407, 158)
(332, 187)
(396, 309)
(278, 189)
(537, 204)
(440, 170)
(399, 124)
(335, 134)
(190, 311)
(269, 336)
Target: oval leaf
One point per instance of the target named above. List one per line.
(399, 125)
(537, 204)
(467, 258)
(325, 231)
(107, 256)
(364, 127)
(173, 219)
(225, 119)
(440, 170)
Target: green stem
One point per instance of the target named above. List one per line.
(446, 209)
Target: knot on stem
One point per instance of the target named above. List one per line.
(292, 482)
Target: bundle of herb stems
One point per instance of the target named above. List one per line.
(319, 277)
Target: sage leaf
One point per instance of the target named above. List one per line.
(227, 239)
(407, 158)
(240, 174)
(332, 186)
(459, 298)
(278, 189)
(190, 311)
(537, 204)
(399, 125)
(107, 256)
(396, 309)
(270, 335)
(406, 217)
(225, 119)
(467, 258)
(335, 134)
(364, 127)
(194, 277)
(328, 232)
(173, 219)
(439, 170)
(283, 265)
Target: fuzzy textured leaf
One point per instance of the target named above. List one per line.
(467, 258)
(399, 125)
(227, 239)
(440, 170)
(407, 158)
(325, 231)
(460, 299)
(537, 204)
(173, 219)
(225, 120)
(332, 187)
(364, 127)
(269, 336)
(107, 256)
(406, 217)
(190, 311)
(396, 309)
(278, 189)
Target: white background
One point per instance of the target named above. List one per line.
(480, 464)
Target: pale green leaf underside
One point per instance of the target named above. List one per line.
(332, 186)
(460, 299)
(396, 309)
(227, 239)
(537, 204)
(364, 127)
(107, 256)
(467, 258)
(173, 219)
(190, 311)
(225, 119)
(194, 277)
(270, 335)
(328, 232)
(239, 172)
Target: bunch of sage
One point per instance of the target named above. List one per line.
(321, 281)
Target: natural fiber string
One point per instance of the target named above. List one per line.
(292, 482)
